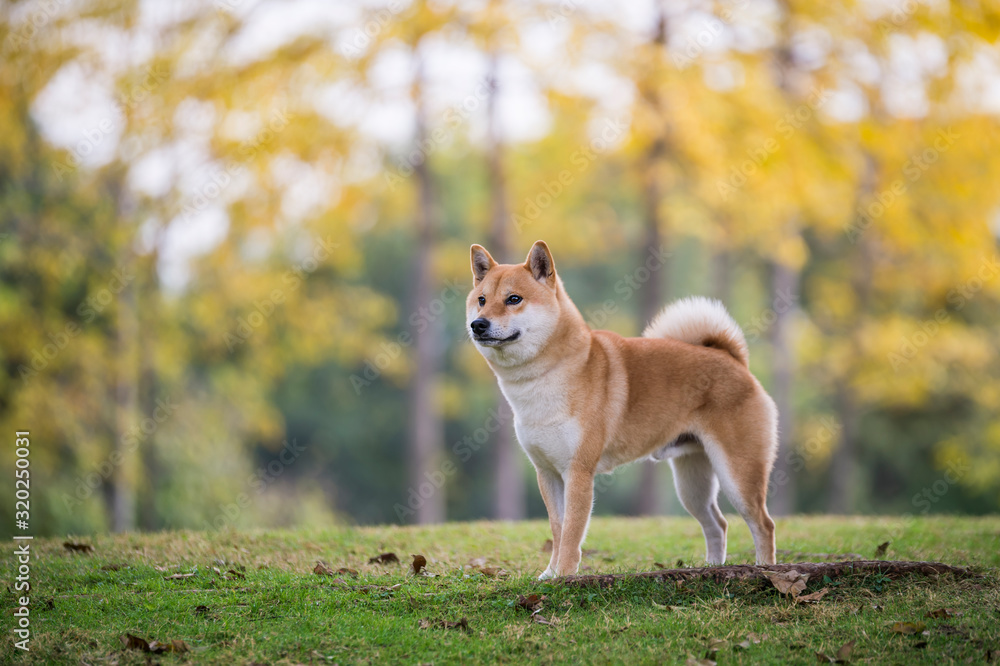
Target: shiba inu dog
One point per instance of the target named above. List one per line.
(587, 401)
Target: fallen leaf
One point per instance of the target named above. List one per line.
(178, 576)
(659, 565)
(880, 551)
(114, 567)
(908, 627)
(844, 653)
(323, 569)
(788, 582)
(419, 562)
(77, 547)
(691, 661)
(814, 597)
(680, 564)
(477, 562)
(130, 642)
(714, 645)
(540, 619)
(234, 573)
(494, 572)
(532, 602)
(745, 645)
(173, 646)
(348, 571)
(384, 558)
(428, 623)
(547, 546)
(941, 613)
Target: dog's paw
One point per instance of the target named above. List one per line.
(547, 574)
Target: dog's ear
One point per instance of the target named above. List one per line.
(541, 265)
(482, 262)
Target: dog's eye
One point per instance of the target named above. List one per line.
(482, 301)
(514, 299)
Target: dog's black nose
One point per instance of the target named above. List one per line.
(480, 326)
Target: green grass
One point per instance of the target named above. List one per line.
(276, 610)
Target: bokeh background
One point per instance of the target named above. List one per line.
(234, 243)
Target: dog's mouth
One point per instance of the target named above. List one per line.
(496, 342)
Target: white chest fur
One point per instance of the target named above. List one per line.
(545, 429)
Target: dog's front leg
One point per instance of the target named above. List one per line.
(553, 494)
(579, 503)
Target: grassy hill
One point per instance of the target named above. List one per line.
(253, 597)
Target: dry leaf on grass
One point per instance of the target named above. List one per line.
(348, 571)
(713, 646)
(494, 572)
(788, 582)
(880, 551)
(941, 613)
(750, 641)
(691, 661)
(384, 558)
(907, 628)
(323, 569)
(178, 576)
(428, 623)
(812, 598)
(843, 655)
(77, 547)
(419, 562)
(541, 619)
(130, 642)
(532, 602)
(658, 565)
(477, 562)
(116, 566)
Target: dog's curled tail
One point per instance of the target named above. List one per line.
(700, 321)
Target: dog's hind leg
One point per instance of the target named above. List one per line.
(744, 481)
(698, 489)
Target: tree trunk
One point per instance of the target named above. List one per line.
(722, 273)
(648, 496)
(843, 474)
(749, 572)
(843, 493)
(784, 286)
(508, 479)
(149, 387)
(426, 432)
(124, 477)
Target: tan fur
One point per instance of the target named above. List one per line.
(587, 401)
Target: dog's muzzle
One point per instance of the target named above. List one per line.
(480, 333)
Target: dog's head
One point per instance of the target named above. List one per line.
(513, 309)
